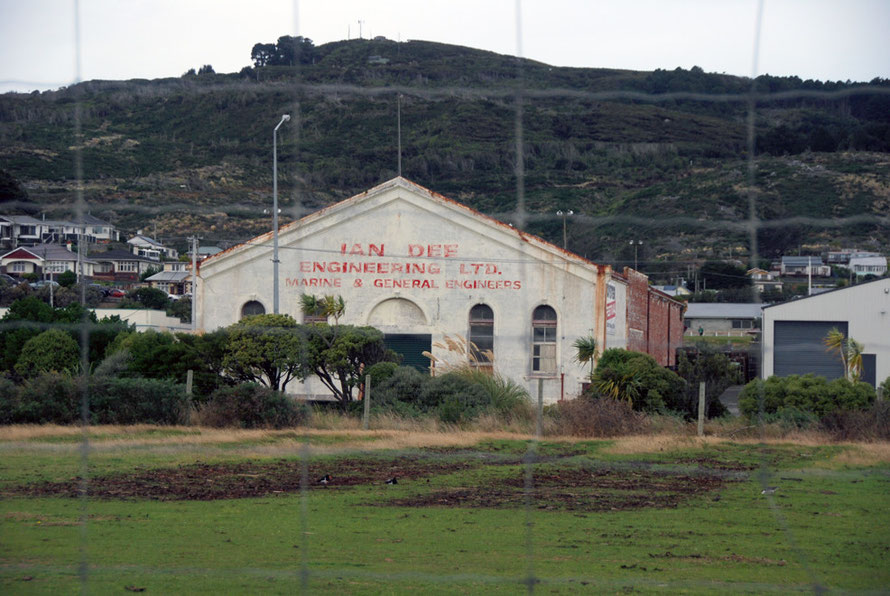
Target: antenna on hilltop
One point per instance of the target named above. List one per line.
(360, 22)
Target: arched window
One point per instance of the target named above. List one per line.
(544, 340)
(481, 335)
(252, 308)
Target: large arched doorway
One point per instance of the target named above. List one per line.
(404, 329)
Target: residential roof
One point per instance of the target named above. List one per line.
(169, 276)
(119, 255)
(21, 219)
(723, 310)
(51, 252)
(815, 261)
(139, 238)
(868, 260)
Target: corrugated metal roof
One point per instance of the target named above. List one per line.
(723, 310)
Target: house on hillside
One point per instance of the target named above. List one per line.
(804, 266)
(762, 280)
(49, 259)
(172, 282)
(422, 268)
(120, 265)
(24, 230)
(145, 246)
(793, 332)
(867, 263)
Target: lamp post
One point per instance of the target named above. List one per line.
(284, 118)
(636, 244)
(564, 214)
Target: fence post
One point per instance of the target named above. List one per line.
(189, 382)
(366, 417)
(539, 426)
(701, 409)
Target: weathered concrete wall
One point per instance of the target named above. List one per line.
(409, 261)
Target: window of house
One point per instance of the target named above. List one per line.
(252, 308)
(742, 324)
(19, 267)
(481, 335)
(544, 340)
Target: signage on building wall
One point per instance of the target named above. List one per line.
(368, 266)
(611, 309)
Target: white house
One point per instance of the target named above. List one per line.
(868, 263)
(793, 332)
(420, 267)
(145, 246)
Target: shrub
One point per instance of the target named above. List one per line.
(872, 424)
(380, 372)
(134, 401)
(399, 392)
(806, 393)
(712, 368)
(505, 395)
(250, 405)
(638, 379)
(604, 417)
(50, 397)
(454, 398)
(52, 350)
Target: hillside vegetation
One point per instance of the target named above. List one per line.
(660, 155)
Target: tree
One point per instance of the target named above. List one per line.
(52, 350)
(67, 279)
(326, 306)
(150, 298)
(338, 355)
(206, 69)
(718, 275)
(151, 270)
(586, 351)
(849, 350)
(267, 349)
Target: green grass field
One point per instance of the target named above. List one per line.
(471, 513)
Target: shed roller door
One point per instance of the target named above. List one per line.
(799, 349)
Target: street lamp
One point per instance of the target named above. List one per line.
(636, 244)
(564, 214)
(284, 118)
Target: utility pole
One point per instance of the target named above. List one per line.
(194, 276)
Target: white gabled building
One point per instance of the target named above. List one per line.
(420, 267)
(793, 332)
(867, 263)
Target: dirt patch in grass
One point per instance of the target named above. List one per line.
(575, 489)
(207, 482)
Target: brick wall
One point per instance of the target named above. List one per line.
(637, 310)
(654, 321)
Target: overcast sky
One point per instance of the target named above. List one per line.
(123, 39)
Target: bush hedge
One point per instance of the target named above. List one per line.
(251, 405)
(807, 393)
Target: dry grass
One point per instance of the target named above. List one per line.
(394, 433)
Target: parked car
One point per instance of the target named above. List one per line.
(116, 293)
(44, 282)
(104, 290)
(9, 279)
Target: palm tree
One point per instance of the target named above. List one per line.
(834, 342)
(586, 351)
(849, 350)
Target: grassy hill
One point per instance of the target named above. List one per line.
(659, 155)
